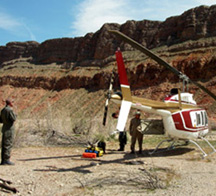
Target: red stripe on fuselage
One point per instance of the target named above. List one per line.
(121, 68)
(182, 121)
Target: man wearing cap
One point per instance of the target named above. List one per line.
(135, 133)
(8, 118)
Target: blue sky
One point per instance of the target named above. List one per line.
(40, 20)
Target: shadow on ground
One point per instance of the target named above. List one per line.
(125, 159)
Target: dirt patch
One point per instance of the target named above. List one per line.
(61, 171)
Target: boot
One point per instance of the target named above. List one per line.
(121, 148)
(8, 162)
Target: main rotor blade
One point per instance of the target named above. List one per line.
(159, 60)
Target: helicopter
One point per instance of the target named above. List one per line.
(182, 118)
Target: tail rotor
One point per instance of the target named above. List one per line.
(108, 98)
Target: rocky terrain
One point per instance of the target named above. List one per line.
(58, 171)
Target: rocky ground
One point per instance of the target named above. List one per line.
(61, 171)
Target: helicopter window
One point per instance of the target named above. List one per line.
(198, 119)
(206, 119)
(203, 122)
(185, 98)
(174, 91)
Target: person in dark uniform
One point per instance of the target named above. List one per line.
(122, 136)
(8, 118)
(122, 140)
(135, 133)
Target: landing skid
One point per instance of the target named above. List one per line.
(204, 153)
(171, 146)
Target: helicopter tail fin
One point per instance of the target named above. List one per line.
(126, 93)
(125, 87)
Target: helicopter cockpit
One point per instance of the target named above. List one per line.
(185, 97)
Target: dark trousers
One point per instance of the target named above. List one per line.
(136, 135)
(7, 143)
(122, 139)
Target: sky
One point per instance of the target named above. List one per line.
(40, 20)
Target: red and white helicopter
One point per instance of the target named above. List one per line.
(183, 119)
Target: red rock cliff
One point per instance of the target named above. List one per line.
(191, 25)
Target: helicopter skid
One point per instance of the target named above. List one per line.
(171, 146)
(168, 148)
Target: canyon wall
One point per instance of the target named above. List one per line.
(93, 48)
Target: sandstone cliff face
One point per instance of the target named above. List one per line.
(191, 25)
(14, 50)
(65, 49)
(147, 74)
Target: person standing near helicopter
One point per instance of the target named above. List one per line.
(8, 117)
(122, 135)
(135, 133)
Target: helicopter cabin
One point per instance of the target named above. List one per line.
(186, 98)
